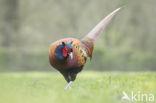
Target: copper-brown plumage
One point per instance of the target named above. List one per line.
(69, 55)
(78, 57)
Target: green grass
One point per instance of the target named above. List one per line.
(89, 87)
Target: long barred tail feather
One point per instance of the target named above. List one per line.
(89, 39)
(93, 34)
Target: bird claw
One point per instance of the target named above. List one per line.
(68, 86)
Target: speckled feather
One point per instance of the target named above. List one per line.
(79, 58)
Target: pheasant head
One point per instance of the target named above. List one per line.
(64, 50)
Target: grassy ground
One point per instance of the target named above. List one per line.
(90, 87)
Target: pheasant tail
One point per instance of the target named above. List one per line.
(89, 39)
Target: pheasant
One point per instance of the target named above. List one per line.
(69, 55)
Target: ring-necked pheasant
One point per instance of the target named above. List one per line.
(69, 55)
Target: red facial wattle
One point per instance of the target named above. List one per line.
(65, 51)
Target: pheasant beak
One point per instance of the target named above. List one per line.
(71, 55)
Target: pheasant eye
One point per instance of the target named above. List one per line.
(65, 48)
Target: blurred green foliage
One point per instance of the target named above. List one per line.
(28, 28)
(89, 87)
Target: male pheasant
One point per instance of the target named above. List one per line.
(69, 55)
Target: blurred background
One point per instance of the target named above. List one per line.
(28, 27)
